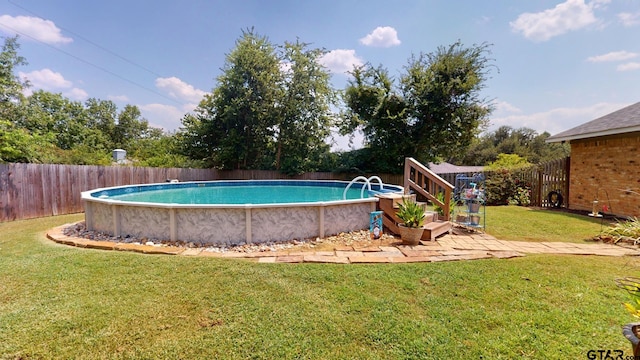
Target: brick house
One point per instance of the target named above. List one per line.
(605, 163)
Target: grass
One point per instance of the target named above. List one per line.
(65, 302)
(529, 224)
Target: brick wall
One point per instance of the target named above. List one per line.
(606, 168)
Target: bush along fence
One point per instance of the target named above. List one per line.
(544, 185)
(37, 190)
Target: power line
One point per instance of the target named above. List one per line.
(94, 65)
(92, 42)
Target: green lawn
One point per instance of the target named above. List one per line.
(64, 302)
(528, 224)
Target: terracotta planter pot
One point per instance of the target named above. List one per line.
(462, 218)
(630, 331)
(474, 207)
(410, 236)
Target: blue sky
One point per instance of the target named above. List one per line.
(559, 63)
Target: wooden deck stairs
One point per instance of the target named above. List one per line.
(388, 203)
(419, 180)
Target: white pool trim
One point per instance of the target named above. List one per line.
(205, 223)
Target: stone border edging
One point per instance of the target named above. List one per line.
(446, 248)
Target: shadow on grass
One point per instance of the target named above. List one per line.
(577, 215)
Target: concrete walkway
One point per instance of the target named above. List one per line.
(450, 247)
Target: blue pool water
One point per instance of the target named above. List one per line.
(229, 192)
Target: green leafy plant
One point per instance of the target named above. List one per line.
(520, 197)
(505, 187)
(411, 213)
(509, 162)
(437, 208)
(625, 230)
(632, 286)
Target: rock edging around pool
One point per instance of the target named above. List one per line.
(389, 250)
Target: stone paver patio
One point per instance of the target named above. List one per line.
(450, 247)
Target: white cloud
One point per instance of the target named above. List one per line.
(503, 107)
(179, 89)
(76, 94)
(568, 16)
(33, 27)
(629, 19)
(613, 56)
(346, 142)
(382, 36)
(46, 79)
(629, 66)
(52, 81)
(340, 60)
(163, 116)
(483, 20)
(556, 120)
(122, 98)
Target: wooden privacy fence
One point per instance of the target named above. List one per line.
(38, 190)
(545, 178)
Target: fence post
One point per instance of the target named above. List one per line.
(540, 185)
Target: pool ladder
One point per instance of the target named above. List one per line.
(367, 183)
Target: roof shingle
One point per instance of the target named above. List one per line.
(621, 121)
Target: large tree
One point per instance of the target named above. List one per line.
(376, 109)
(305, 118)
(49, 128)
(18, 145)
(524, 142)
(11, 86)
(131, 128)
(269, 110)
(434, 111)
(233, 127)
(101, 116)
(53, 113)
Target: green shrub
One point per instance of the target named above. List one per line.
(508, 161)
(520, 197)
(625, 230)
(505, 187)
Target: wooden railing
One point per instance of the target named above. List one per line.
(428, 184)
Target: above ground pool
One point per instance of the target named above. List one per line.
(233, 212)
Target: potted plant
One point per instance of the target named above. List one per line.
(412, 216)
(632, 331)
